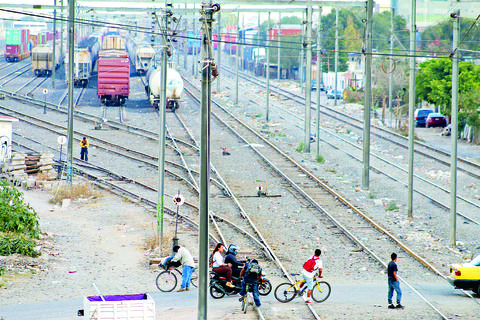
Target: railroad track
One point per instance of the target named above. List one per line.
(325, 200)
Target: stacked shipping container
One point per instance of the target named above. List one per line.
(17, 45)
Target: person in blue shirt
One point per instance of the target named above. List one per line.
(250, 274)
(232, 259)
(393, 283)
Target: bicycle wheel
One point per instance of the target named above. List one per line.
(285, 292)
(194, 279)
(264, 287)
(321, 291)
(166, 281)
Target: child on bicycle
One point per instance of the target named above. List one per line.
(250, 274)
(309, 271)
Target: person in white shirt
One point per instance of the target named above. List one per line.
(219, 266)
(310, 268)
(183, 256)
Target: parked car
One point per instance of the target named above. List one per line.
(331, 94)
(421, 116)
(466, 275)
(314, 85)
(436, 120)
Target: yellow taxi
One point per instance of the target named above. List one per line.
(466, 275)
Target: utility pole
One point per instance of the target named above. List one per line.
(336, 56)
(162, 113)
(54, 41)
(278, 44)
(390, 79)
(368, 96)
(300, 60)
(219, 48)
(411, 108)
(207, 19)
(308, 78)
(185, 46)
(71, 57)
(61, 26)
(194, 45)
(319, 76)
(454, 133)
(236, 58)
(268, 69)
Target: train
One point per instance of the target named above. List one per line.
(17, 48)
(141, 55)
(113, 42)
(86, 55)
(42, 58)
(113, 83)
(174, 88)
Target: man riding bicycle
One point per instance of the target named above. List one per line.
(251, 274)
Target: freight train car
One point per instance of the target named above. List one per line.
(113, 84)
(42, 59)
(113, 42)
(17, 47)
(85, 57)
(174, 88)
(141, 55)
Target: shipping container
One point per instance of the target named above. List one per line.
(113, 85)
(17, 45)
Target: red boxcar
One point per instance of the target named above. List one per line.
(113, 76)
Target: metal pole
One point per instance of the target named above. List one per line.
(319, 76)
(390, 80)
(411, 108)
(368, 96)
(61, 27)
(308, 79)
(185, 45)
(300, 60)
(194, 44)
(71, 57)
(205, 163)
(162, 112)
(236, 58)
(268, 69)
(278, 44)
(454, 133)
(54, 40)
(219, 48)
(336, 56)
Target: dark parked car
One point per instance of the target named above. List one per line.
(421, 117)
(436, 120)
(331, 94)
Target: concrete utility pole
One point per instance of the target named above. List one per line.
(278, 44)
(207, 19)
(308, 79)
(390, 78)
(61, 26)
(185, 46)
(300, 60)
(411, 108)
(454, 133)
(319, 76)
(54, 40)
(336, 56)
(268, 70)
(368, 97)
(236, 57)
(71, 57)
(194, 46)
(162, 113)
(219, 48)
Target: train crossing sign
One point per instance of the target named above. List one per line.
(178, 200)
(45, 91)
(62, 140)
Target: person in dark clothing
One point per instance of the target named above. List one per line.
(251, 274)
(232, 259)
(393, 283)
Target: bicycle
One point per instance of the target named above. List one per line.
(247, 298)
(167, 280)
(286, 292)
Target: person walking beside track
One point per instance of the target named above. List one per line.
(183, 256)
(393, 283)
(309, 271)
(84, 149)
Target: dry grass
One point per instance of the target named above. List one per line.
(152, 241)
(76, 191)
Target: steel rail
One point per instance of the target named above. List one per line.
(335, 194)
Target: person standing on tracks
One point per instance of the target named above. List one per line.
(183, 256)
(84, 149)
(393, 283)
(310, 268)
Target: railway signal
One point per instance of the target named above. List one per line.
(178, 200)
(45, 91)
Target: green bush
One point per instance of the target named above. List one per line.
(16, 216)
(11, 243)
(320, 159)
(301, 147)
